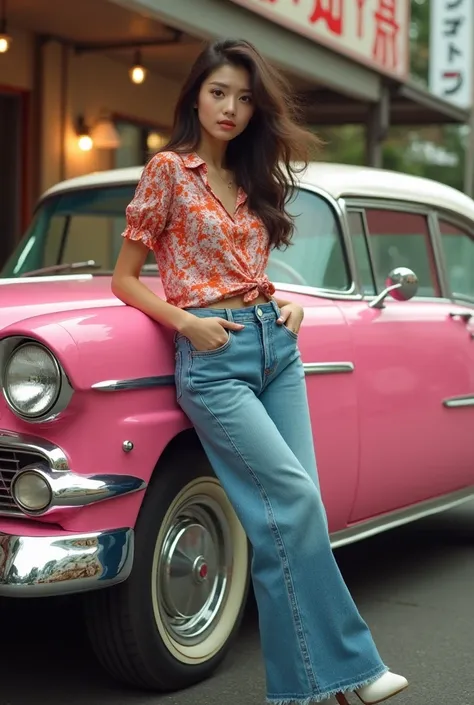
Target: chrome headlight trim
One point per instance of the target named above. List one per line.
(69, 490)
(37, 472)
(8, 348)
(7, 390)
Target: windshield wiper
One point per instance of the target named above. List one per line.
(66, 267)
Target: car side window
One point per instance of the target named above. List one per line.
(316, 257)
(458, 248)
(400, 239)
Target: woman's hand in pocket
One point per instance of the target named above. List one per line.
(291, 316)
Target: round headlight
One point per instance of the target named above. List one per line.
(31, 491)
(31, 380)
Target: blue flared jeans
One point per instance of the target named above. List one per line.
(247, 401)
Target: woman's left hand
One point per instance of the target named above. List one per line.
(291, 316)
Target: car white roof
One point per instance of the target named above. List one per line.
(338, 180)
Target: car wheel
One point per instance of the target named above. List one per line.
(174, 620)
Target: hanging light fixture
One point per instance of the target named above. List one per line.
(84, 140)
(5, 39)
(137, 71)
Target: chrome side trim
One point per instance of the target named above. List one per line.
(349, 295)
(37, 566)
(22, 443)
(457, 402)
(67, 488)
(126, 385)
(327, 368)
(366, 529)
(70, 490)
(55, 278)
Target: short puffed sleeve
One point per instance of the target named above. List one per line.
(147, 213)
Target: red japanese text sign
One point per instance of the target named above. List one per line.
(374, 32)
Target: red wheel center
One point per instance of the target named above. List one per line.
(203, 571)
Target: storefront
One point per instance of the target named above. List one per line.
(70, 101)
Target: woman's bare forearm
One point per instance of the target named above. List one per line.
(133, 292)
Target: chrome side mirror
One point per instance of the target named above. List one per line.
(402, 285)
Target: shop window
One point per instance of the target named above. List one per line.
(138, 143)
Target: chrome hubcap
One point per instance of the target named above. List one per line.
(194, 569)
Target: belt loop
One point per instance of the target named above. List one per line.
(228, 313)
(275, 307)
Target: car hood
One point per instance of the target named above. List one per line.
(30, 297)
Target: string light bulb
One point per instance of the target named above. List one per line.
(84, 140)
(137, 71)
(5, 39)
(5, 42)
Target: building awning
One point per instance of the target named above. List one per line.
(296, 55)
(409, 105)
(335, 89)
(414, 105)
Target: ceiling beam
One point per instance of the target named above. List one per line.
(86, 47)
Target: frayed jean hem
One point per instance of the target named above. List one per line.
(341, 687)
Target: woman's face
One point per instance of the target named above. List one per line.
(225, 104)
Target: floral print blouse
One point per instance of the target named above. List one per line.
(204, 254)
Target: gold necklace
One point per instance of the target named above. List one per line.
(229, 184)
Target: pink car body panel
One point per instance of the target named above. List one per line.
(104, 341)
(409, 357)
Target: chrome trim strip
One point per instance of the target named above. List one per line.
(37, 566)
(349, 295)
(22, 443)
(327, 368)
(126, 385)
(55, 278)
(68, 489)
(366, 529)
(457, 402)
(437, 245)
(386, 203)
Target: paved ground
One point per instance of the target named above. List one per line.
(414, 586)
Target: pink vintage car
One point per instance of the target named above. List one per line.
(103, 483)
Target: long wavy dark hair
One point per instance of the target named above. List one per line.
(263, 157)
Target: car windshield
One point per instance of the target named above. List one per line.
(83, 228)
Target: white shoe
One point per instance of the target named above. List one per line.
(382, 689)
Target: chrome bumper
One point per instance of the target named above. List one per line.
(34, 566)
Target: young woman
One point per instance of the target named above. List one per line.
(211, 205)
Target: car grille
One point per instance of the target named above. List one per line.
(11, 461)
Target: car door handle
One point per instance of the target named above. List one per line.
(465, 315)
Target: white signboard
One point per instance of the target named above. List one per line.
(373, 32)
(451, 50)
